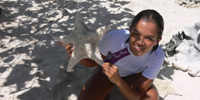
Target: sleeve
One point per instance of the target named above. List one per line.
(105, 43)
(154, 66)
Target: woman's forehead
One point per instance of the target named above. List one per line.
(146, 28)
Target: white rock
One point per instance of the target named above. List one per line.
(187, 53)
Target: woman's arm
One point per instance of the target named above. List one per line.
(136, 92)
(89, 62)
(131, 93)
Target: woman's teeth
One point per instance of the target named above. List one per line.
(138, 48)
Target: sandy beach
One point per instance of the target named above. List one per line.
(33, 65)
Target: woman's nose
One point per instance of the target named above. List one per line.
(140, 41)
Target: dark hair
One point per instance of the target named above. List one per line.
(152, 16)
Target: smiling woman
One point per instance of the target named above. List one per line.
(132, 60)
(143, 38)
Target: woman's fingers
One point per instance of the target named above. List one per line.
(61, 44)
(69, 50)
(106, 64)
(109, 69)
(107, 73)
(68, 47)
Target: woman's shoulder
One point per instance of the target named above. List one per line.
(159, 53)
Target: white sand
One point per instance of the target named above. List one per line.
(32, 64)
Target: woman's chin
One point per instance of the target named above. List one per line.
(138, 54)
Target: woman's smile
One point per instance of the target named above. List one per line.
(140, 49)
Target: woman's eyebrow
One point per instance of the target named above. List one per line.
(151, 36)
(136, 30)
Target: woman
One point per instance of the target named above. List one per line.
(132, 60)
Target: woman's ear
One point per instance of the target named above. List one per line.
(157, 41)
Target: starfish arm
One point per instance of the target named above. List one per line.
(81, 27)
(92, 38)
(78, 19)
(97, 60)
(103, 30)
(72, 62)
(96, 56)
(88, 48)
(93, 53)
(80, 24)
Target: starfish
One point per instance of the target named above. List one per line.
(85, 42)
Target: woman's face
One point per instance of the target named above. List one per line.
(143, 37)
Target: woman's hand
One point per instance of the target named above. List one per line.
(111, 71)
(68, 47)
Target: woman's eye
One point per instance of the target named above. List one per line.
(150, 39)
(135, 33)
